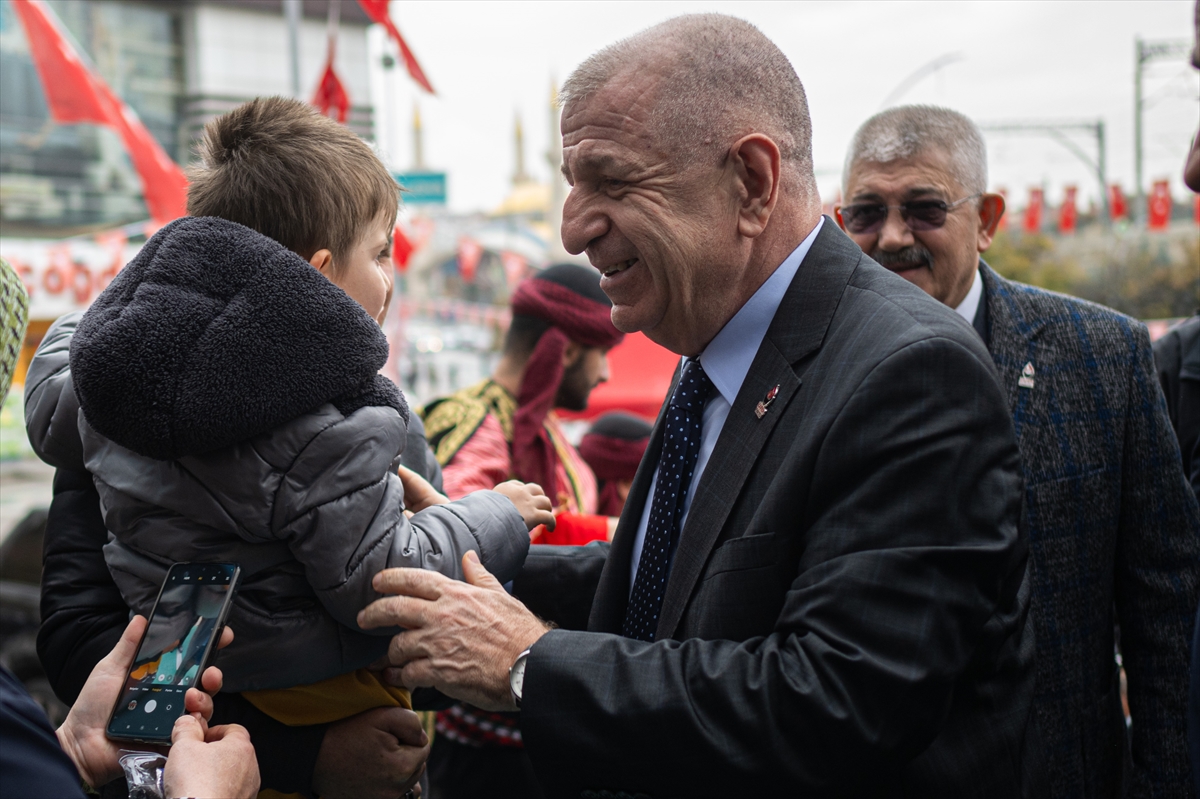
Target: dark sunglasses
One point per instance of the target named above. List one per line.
(917, 214)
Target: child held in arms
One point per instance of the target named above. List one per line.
(231, 410)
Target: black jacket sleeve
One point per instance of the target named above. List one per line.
(83, 616)
(559, 583)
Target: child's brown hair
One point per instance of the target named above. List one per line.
(277, 166)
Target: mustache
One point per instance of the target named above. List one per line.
(905, 257)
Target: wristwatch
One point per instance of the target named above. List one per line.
(516, 677)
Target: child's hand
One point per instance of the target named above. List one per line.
(418, 493)
(531, 501)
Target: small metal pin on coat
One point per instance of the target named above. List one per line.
(760, 410)
(1026, 378)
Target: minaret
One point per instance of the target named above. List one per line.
(558, 186)
(418, 142)
(519, 176)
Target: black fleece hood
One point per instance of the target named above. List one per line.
(215, 333)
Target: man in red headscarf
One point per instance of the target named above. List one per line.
(505, 427)
(554, 355)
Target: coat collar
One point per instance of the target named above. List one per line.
(1011, 327)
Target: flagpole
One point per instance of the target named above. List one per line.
(291, 10)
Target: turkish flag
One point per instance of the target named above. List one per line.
(402, 249)
(1158, 206)
(1118, 208)
(469, 253)
(331, 93)
(514, 267)
(377, 10)
(1068, 214)
(1033, 211)
(76, 94)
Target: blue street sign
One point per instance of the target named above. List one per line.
(422, 188)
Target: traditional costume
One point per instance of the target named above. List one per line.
(482, 436)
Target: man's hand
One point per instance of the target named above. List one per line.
(82, 734)
(210, 762)
(378, 754)
(531, 501)
(419, 494)
(459, 637)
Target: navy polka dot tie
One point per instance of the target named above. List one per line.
(681, 447)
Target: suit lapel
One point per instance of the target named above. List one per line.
(737, 449)
(1013, 337)
(796, 331)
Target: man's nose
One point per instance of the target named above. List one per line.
(895, 235)
(581, 223)
(603, 369)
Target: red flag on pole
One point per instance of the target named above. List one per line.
(1117, 207)
(74, 93)
(514, 267)
(330, 91)
(402, 249)
(1033, 212)
(469, 253)
(1068, 214)
(1158, 206)
(377, 10)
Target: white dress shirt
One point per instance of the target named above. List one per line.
(970, 304)
(726, 360)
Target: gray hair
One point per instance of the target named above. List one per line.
(725, 79)
(903, 132)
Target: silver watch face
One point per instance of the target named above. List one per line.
(516, 675)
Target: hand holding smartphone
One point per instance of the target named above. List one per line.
(179, 643)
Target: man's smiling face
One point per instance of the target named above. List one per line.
(661, 228)
(942, 262)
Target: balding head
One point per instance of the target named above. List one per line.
(720, 79)
(902, 133)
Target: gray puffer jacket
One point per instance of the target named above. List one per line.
(226, 400)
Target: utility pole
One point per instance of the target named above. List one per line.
(1144, 53)
(1058, 131)
(291, 10)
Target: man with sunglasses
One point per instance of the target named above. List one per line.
(1114, 529)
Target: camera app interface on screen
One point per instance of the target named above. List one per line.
(168, 662)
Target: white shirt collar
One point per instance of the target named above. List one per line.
(970, 304)
(728, 357)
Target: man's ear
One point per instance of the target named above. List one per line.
(322, 261)
(571, 354)
(991, 210)
(756, 164)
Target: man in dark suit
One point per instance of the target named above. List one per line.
(818, 586)
(1114, 530)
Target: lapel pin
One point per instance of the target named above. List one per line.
(760, 410)
(1026, 378)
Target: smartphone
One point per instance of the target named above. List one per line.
(178, 645)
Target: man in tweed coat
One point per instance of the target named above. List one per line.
(1113, 527)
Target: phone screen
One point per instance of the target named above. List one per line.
(174, 650)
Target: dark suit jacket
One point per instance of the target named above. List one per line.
(1112, 524)
(846, 610)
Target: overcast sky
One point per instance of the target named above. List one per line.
(1019, 61)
